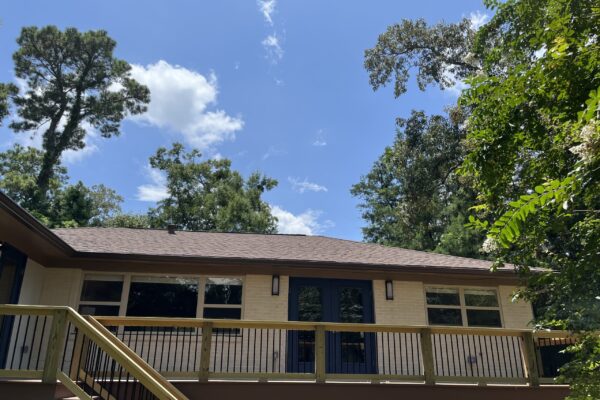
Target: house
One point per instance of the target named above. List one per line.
(142, 313)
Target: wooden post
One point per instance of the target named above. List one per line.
(207, 329)
(320, 362)
(427, 351)
(55, 348)
(530, 359)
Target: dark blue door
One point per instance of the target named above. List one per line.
(12, 269)
(332, 300)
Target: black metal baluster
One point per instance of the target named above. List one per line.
(417, 338)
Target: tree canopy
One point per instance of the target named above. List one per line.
(209, 195)
(73, 84)
(532, 150)
(412, 196)
(67, 205)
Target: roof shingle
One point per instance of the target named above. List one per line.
(152, 242)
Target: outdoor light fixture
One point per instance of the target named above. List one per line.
(275, 285)
(389, 290)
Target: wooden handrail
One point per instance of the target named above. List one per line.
(95, 329)
(136, 358)
(328, 326)
(129, 360)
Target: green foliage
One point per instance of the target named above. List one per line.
(209, 196)
(137, 221)
(532, 151)
(439, 52)
(6, 91)
(73, 82)
(65, 205)
(582, 371)
(412, 197)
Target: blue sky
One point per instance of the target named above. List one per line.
(276, 86)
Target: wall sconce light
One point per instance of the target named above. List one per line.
(275, 285)
(389, 290)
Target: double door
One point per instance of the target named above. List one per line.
(332, 300)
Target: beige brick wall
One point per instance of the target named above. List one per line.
(260, 304)
(61, 287)
(407, 308)
(33, 282)
(516, 314)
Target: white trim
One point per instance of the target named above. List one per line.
(128, 277)
(463, 307)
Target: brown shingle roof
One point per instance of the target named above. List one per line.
(297, 248)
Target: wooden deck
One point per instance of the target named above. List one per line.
(175, 358)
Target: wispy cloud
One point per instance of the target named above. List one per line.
(273, 42)
(273, 48)
(180, 102)
(273, 151)
(303, 186)
(267, 8)
(320, 139)
(478, 19)
(306, 223)
(156, 190)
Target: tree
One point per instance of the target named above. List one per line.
(440, 53)
(412, 197)
(6, 91)
(137, 221)
(533, 155)
(209, 196)
(74, 83)
(67, 205)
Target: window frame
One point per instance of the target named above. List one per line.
(127, 278)
(100, 303)
(462, 306)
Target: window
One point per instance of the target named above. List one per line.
(101, 295)
(162, 297)
(463, 307)
(223, 298)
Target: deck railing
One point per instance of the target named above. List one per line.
(56, 343)
(199, 349)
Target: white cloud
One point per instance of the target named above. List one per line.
(179, 101)
(273, 151)
(91, 147)
(267, 8)
(306, 223)
(303, 186)
(478, 19)
(273, 48)
(74, 156)
(320, 140)
(155, 191)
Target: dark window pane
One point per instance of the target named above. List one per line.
(223, 291)
(444, 316)
(446, 297)
(222, 313)
(148, 299)
(310, 307)
(351, 305)
(107, 311)
(101, 290)
(484, 318)
(352, 347)
(481, 298)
